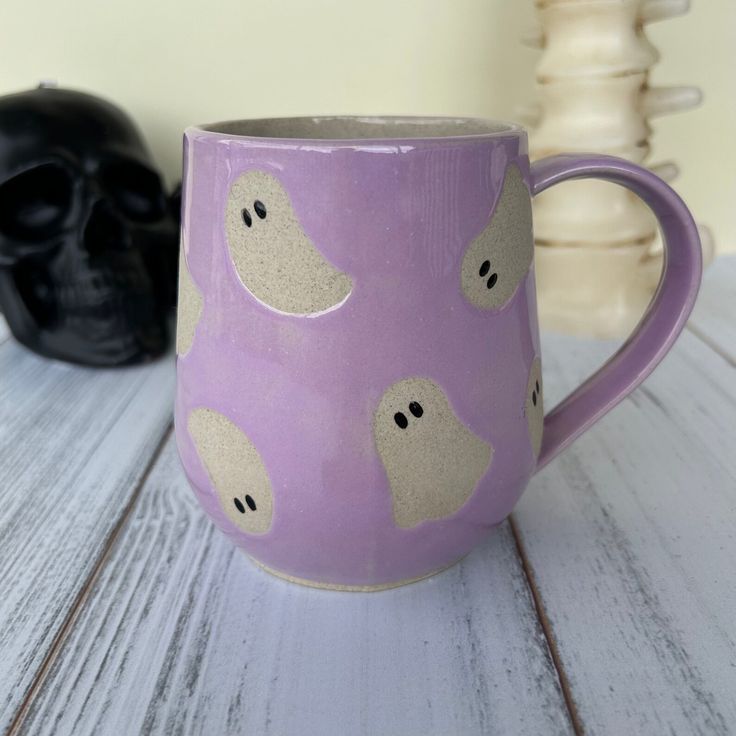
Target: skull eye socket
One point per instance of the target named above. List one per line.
(34, 203)
(136, 191)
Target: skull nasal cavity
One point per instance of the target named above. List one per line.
(104, 230)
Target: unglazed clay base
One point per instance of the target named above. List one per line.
(349, 588)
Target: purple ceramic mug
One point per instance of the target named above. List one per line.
(359, 395)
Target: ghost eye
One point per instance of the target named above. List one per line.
(260, 209)
(239, 505)
(401, 420)
(247, 219)
(536, 383)
(251, 503)
(416, 409)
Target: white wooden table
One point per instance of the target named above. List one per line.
(606, 605)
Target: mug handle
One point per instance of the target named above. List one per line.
(666, 314)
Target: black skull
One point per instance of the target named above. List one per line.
(88, 240)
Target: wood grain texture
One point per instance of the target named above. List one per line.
(714, 316)
(74, 442)
(183, 635)
(631, 535)
(630, 538)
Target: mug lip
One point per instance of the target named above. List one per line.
(497, 129)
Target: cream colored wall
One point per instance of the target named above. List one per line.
(175, 63)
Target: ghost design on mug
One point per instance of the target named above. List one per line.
(274, 258)
(189, 308)
(432, 460)
(496, 262)
(235, 469)
(534, 406)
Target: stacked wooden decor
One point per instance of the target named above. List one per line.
(597, 254)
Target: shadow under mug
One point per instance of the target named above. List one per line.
(359, 387)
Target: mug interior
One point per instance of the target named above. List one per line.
(342, 128)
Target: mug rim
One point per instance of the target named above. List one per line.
(407, 130)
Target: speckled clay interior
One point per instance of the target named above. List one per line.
(357, 128)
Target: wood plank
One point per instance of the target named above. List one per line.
(74, 444)
(180, 663)
(183, 634)
(714, 316)
(631, 536)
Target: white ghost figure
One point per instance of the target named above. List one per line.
(235, 469)
(189, 308)
(534, 406)
(432, 460)
(274, 258)
(497, 261)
